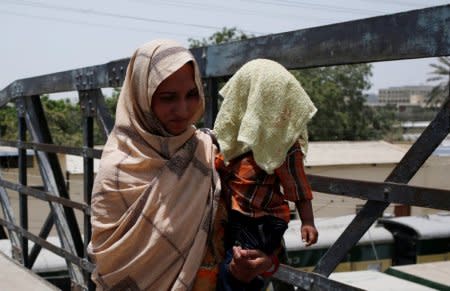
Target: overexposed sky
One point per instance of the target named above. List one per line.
(46, 36)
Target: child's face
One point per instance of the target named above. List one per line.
(176, 100)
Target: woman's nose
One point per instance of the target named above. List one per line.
(182, 107)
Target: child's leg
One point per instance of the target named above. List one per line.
(273, 229)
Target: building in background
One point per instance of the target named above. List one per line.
(409, 102)
(405, 95)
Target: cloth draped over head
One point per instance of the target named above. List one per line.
(265, 110)
(155, 194)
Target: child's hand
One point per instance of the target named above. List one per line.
(309, 234)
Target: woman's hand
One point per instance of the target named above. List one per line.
(247, 264)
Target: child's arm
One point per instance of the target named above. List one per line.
(297, 189)
(308, 231)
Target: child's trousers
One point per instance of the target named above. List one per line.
(263, 233)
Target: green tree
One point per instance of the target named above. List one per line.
(111, 102)
(63, 117)
(441, 73)
(337, 92)
(8, 122)
(223, 36)
(64, 120)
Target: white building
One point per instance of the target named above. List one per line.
(405, 95)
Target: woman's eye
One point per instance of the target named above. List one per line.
(167, 97)
(193, 93)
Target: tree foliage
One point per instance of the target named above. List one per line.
(64, 119)
(8, 122)
(441, 73)
(223, 36)
(337, 92)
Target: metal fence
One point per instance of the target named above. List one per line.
(413, 34)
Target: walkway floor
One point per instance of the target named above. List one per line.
(13, 277)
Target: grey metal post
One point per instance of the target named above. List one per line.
(23, 199)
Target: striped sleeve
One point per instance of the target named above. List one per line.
(292, 176)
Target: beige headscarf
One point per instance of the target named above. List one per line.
(265, 110)
(155, 194)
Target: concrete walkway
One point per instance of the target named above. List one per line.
(14, 277)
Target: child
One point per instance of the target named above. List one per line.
(261, 129)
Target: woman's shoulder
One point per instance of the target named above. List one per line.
(211, 133)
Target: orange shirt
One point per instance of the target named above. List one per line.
(256, 193)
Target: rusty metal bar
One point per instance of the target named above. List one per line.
(383, 192)
(310, 281)
(8, 214)
(100, 76)
(52, 148)
(88, 105)
(23, 199)
(45, 196)
(211, 106)
(74, 259)
(407, 35)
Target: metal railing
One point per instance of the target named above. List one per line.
(413, 34)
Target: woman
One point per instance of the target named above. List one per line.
(155, 197)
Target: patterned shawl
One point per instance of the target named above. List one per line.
(265, 110)
(155, 194)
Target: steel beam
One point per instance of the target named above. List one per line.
(110, 74)
(88, 105)
(62, 252)
(383, 192)
(23, 199)
(211, 106)
(44, 196)
(52, 176)
(310, 281)
(8, 214)
(408, 35)
(52, 148)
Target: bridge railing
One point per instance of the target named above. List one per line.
(413, 34)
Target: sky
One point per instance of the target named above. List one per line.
(45, 36)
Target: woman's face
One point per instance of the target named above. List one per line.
(176, 100)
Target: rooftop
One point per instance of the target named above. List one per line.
(353, 153)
